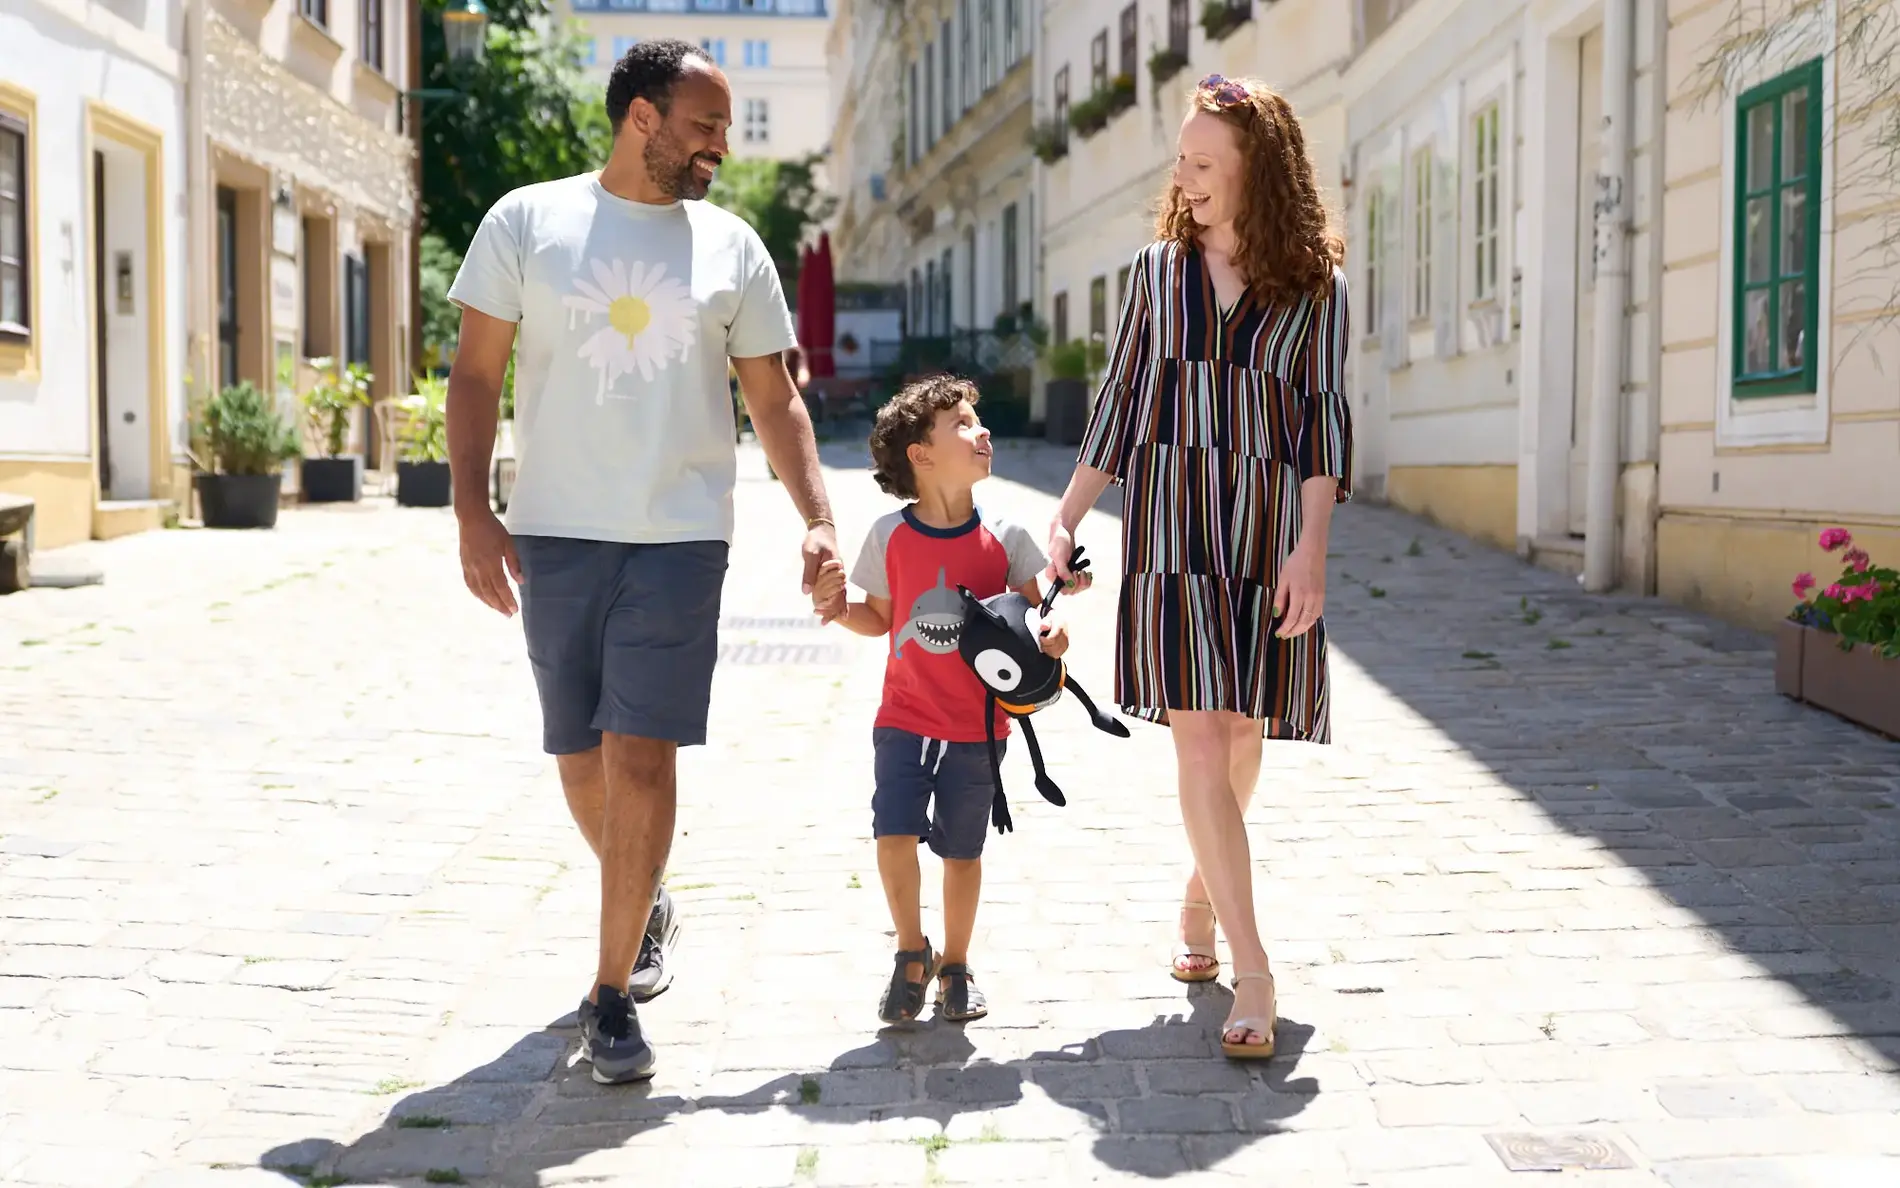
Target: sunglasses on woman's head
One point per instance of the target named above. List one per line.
(1224, 92)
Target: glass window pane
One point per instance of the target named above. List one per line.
(1794, 320)
(1759, 256)
(10, 237)
(1761, 146)
(1794, 231)
(12, 295)
(1794, 134)
(10, 162)
(1757, 347)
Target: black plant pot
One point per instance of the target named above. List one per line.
(333, 480)
(239, 500)
(422, 484)
(1067, 415)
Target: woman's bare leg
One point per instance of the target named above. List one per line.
(1197, 925)
(1204, 746)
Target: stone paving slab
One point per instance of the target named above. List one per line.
(288, 894)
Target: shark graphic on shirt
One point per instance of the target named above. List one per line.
(935, 621)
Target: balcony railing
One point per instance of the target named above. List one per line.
(788, 8)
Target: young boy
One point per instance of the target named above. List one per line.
(932, 768)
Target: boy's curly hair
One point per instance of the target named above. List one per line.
(906, 420)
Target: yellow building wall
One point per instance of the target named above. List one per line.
(1741, 568)
(1479, 501)
(62, 494)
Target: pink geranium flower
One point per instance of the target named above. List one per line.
(1865, 592)
(1837, 592)
(1857, 560)
(1802, 584)
(1835, 538)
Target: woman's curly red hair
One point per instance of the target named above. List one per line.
(1287, 248)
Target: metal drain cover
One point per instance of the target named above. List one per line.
(780, 653)
(1558, 1152)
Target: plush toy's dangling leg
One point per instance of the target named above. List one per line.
(999, 806)
(1103, 722)
(1044, 784)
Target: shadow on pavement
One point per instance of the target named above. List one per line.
(531, 1112)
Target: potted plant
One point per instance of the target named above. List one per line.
(1121, 94)
(1839, 648)
(330, 405)
(248, 442)
(1221, 17)
(1049, 140)
(1071, 364)
(422, 472)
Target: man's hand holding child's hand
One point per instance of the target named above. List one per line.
(828, 586)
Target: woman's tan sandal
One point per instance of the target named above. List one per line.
(958, 999)
(1261, 1027)
(1196, 973)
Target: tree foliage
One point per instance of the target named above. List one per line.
(441, 321)
(780, 199)
(524, 114)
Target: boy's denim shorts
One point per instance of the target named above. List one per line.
(912, 772)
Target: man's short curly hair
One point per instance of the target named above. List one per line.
(649, 71)
(906, 420)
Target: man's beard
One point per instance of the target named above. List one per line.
(671, 168)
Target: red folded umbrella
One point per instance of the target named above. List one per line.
(823, 324)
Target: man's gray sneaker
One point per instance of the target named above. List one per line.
(611, 1039)
(651, 974)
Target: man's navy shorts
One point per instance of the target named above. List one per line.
(935, 791)
(622, 637)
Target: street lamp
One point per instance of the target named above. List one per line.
(465, 28)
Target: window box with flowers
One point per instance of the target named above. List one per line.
(1219, 18)
(1090, 115)
(1165, 63)
(1049, 140)
(1839, 648)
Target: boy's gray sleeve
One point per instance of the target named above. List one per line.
(1026, 558)
(868, 574)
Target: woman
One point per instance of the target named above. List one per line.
(1223, 415)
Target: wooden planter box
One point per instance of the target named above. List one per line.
(1859, 685)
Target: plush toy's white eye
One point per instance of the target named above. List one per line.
(997, 670)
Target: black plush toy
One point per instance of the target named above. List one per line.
(1004, 649)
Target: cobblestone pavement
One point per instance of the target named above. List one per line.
(288, 894)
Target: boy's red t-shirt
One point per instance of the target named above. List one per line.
(928, 689)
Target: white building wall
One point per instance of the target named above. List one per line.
(63, 64)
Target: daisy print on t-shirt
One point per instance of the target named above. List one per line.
(641, 319)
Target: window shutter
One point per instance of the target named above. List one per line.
(1392, 262)
(1447, 251)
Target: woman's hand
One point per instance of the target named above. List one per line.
(1300, 597)
(1061, 547)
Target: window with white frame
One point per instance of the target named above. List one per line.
(758, 121)
(985, 42)
(622, 45)
(1420, 255)
(16, 281)
(758, 53)
(715, 48)
(1484, 203)
(1376, 279)
(966, 56)
(1012, 32)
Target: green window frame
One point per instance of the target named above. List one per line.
(1777, 299)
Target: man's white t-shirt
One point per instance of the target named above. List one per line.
(627, 314)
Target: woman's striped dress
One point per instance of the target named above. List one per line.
(1211, 421)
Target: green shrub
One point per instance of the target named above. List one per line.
(245, 433)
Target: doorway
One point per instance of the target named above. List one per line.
(125, 323)
(1583, 366)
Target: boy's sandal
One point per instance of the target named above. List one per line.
(1203, 973)
(903, 1000)
(958, 998)
(1261, 1027)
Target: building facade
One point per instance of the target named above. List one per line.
(303, 194)
(92, 265)
(1621, 307)
(773, 51)
(964, 196)
(865, 61)
(1779, 350)
(1112, 85)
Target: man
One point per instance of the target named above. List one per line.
(622, 298)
